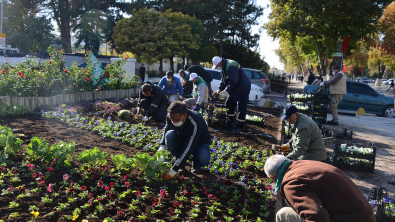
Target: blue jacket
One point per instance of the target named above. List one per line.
(194, 131)
(172, 88)
(234, 81)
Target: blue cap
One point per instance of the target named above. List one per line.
(288, 111)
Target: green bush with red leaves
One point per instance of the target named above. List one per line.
(52, 77)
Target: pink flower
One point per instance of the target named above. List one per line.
(127, 184)
(41, 175)
(65, 177)
(49, 188)
(163, 193)
(138, 194)
(172, 211)
(99, 183)
(21, 189)
(42, 182)
(126, 177)
(177, 204)
(83, 188)
(95, 177)
(112, 184)
(34, 175)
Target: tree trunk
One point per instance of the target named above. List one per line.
(338, 60)
(381, 73)
(171, 64)
(63, 21)
(161, 67)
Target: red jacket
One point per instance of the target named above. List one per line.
(320, 192)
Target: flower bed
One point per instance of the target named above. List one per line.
(354, 158)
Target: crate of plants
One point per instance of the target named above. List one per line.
(217, 117)
(255, 119)
(303, 108)
(383, 205)
(354, 158)
(298, 97)
(355, 152)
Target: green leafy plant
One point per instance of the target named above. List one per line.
(93, 157)
(62, 151)
(8, 141)
(38, 148)
(124, 114)
(152, 166)
(122, 162)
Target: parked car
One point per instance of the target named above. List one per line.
(256, 91)
(386, 82)
(362, 95)
(258, 78)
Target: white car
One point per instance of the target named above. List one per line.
(255, 93)
(386, 82)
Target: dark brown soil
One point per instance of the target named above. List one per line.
(258, 137)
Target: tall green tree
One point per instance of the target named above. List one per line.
(25, 30)
(326, 22)
(152, 34)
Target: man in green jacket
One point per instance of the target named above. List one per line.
(306, 138)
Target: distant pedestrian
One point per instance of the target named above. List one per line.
(142, 72)
(391, 85)
(311, 79)
(301, 79)
(292, 77)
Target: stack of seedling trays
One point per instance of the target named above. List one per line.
(354, 158)
(382, 206)
(216, 117)
(320, 105)
(300, 101)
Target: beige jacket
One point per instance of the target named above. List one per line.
(338, 84)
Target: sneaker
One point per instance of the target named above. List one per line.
(332, 122)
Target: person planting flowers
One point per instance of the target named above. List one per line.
(185, 133)
(154, 102)
(319, 193)
(200, 93)
(306, 138)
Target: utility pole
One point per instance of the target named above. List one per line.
(1, 26)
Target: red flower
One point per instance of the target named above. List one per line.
(42, 182)
(41, 175)
(74, 85)
(133, 83)
(195, 202)
(90, 194)
(99, 88)
(65, 71)
(95, 177)
(126, 177)
(155, 202)
(25, 77)
(182, 177)
(71, 189)
(103, 167)
(107, 75)
(50, 61)
(121, 213)
(83, 188)
(127, 184)
(137, 77)
(20, 73)
(99, 183)
(138, 193)
(4, 71)
(108, 188)
(172, 212)
(228, 183)
(50, 169)
(15, 171)
(21, 189)
(112, 184)
(34, 175)
(177, 204)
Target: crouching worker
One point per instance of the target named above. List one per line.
(153, 101)
(306, 138)
(185, 134)
(200, 93)
(316, 191)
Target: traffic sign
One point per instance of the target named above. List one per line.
(337, 54)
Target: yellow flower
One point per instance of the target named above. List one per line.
(75, 217)
(84, 220)
(105, 220)
(35, 213)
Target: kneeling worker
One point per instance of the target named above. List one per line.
(153, 101)
(200, 93)
(185, 134)
(316, 191)
(306, 139)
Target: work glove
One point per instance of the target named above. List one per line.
(169, 174)
(138, 110)
(162, 147)
(179, 97)
(145, 118)
(285, 145)
(322, 84)
(196, 108)
(224, 94)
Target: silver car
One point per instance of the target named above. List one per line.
(258, 78)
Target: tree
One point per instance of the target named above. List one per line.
(326, 22)
(151, 34)
(223, 20)
(25, 30)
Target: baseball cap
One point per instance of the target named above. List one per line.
(216, 60)
(193, 76)
(288, 111)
